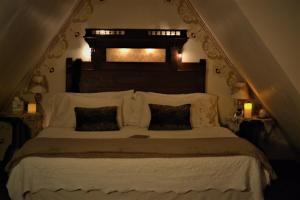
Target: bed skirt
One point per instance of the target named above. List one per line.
(97, 194)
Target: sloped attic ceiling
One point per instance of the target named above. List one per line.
(272, 81)
(27, 27)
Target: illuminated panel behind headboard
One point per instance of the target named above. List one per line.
(135, 55)
(103, 40)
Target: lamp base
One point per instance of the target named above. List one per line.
(38, 99)
(238, 115)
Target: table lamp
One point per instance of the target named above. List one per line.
(38, 85)
(241, 94)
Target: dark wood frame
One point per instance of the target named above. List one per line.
(164, 78)
(135, 38)
(172, 76)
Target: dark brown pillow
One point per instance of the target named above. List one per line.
(96, 119)
(165, 117)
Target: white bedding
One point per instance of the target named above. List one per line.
(127, 131)
(143, 174)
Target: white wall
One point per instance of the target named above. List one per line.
(277, 22)
(132, 14)
(27, 27)
(121, 14)
(256, 62)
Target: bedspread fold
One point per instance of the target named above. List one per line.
(138, 148)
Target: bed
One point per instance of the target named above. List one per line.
(140, 159)
(228, 177)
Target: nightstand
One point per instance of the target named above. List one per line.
(33, 121)
(256, 130)
(23, 127)
(5, 138)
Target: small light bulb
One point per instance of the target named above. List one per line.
(124, 50)
(149, 51)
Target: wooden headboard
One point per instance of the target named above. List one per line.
(100, 75)
(155, 77)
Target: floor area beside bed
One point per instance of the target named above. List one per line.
(287, 184)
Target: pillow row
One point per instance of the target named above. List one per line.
(204, 107)
(59, 108)
(132, 108)
(105, 118)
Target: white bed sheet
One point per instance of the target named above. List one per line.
(143, 174)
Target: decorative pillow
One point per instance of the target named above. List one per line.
(170, 117)
(64, 115)
(132, 108)
(96, 119)
(53, 102)
(204, 107)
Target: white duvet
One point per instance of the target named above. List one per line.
(142, 174)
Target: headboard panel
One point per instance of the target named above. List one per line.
(156, 77)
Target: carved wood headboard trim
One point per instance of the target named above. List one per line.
(156, 77)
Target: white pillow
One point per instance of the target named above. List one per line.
(204, 107)
(131, 110)
(117, 94)
(51, 102)
(64, 115)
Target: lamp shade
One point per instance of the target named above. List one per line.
(240, 91)
(38, 89)
(37, 78)
(38, 84)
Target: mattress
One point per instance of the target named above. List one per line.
(162, 175)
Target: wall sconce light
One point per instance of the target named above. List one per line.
(86, 53)
(179, 55)
(247, 110)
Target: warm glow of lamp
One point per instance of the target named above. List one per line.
(86, 53)
(247, 110)
(150, 50)
(38, 85)
(124, 50)
(135, 55)
(31, 108)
